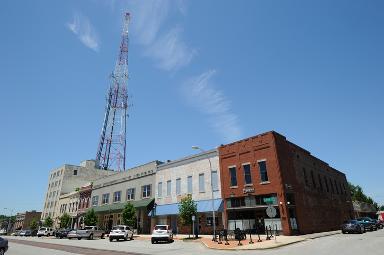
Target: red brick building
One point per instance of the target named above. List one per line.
(304, 194)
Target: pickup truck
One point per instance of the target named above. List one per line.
(90, 232)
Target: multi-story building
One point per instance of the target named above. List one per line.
(84, 203)
(66, 179)
(68, 203)
(23, 220)
(110, 195)
(269, 181)
(197, 175)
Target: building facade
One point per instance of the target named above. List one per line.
(68, 203)
(136, 186)
(67, 179)
(302, 193)
(195, 175)
(23, 220)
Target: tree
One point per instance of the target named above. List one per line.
(64, 220)
(48, 222)
(90, 218)
(33, 225)
(129, 215)
(382, 208)
(187, 208)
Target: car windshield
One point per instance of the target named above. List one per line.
(118, 228)
(43, 229)
(88, 228)
(161, 228)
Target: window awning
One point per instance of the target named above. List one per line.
(202, 206)
(120, 206)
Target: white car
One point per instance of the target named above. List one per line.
(121, 232)
(45, 232)
(162, 233)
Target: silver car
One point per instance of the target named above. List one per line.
(162, 233)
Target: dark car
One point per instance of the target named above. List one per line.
(352, 226)
(62, 233)
(3, 245)
(379, 224)
(368, 223)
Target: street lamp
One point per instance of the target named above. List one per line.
(213, 202)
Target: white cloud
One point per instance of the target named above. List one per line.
(164, 45)
(201, 94)
(170, 51)
(82, 28)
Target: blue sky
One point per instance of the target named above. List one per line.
(201, 73)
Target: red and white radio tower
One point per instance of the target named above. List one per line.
(112, 147)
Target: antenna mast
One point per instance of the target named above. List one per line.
(112, 146)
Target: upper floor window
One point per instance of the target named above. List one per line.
(201, 183)
(232, 172)
(215, 181)
(320, 183)
(189, 184)
(305, 177)
(263, 170)
(74, 172)
(326, 183)
(178, 186)
(313, 179)
(105, 199)
(247, 174)
(146, 191)
(131, 194)
(117, 196)
(169, 187)
(95, 200)
(160, 189)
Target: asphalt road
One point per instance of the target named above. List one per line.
(370, 243)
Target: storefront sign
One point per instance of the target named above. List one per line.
(271, 211)
(248, 190)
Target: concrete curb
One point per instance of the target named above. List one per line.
(328, 234)
(255, 248)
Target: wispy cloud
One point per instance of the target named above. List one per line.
(170, 51)
(82, 28)
(212, 102)
(162, 44)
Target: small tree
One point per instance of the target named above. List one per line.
(48, 222)
(33, 225)
(129, 215)
(90, 218)
(64, 220)
(187, 208)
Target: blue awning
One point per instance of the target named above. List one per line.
(202, 206)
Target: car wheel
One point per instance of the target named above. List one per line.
(152, 241)
(79, 238)
(2, 251)
(48, 235)
(343, 231)
(69, 238)
(110, 239)
(131, 238)
(91, 237)
(102, 236)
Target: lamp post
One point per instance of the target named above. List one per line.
(213, 202)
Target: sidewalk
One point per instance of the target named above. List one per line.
(265, 244)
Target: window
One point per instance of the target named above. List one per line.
(146, 191)
(330, 181)
(95, 200)
(247, 174)
(320, 183)
(232, 172)
(313, 180)
(74, 172)
(209, 220)
(201, 183)
(214, 179)
(117, 196)
(305, 177)
(105, 198)
(326, 183)
(169, 183)
(131, 194)
(189, 184)
(337, 188)
(263, 171)
(160, 189)
(178, 186)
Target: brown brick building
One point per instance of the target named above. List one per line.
(23, 220)
(303, 193)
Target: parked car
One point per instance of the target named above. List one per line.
(90, 232)
(368, 223)
(121, 232)
(3, 245)
(26, 232)
(45, 232)
(352, 226)
(72, 234)
(162, 233)
(62, 233)
(3, 231)
(379, 224)
(16, 233)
